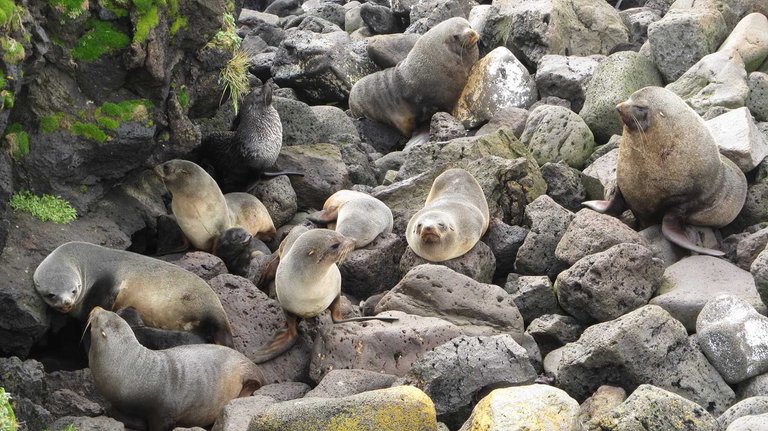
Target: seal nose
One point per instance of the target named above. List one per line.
(470, 37)
(620, 107)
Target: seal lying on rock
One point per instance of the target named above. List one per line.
(430, 79)
(203, 212)
(670, 169)
(454, 218)
(308, 282)
(78, 276)
(358, 216)
(183, 386)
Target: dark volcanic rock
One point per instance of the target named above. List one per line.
(374, 268)
(478, 263)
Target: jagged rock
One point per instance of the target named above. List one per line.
(343, 383)
(651, 407)
(359, 166)
(504, 241)
(379, 19)
(533, 295)
(513, 119)
(496, 81)
(565, 77)
(479, 263)
(615, 79)
(523, 408)
(637, 21)
(591, 232)
(323, 169)
(757, 101)
(408, 409)
(750, 247)
(454, 373)
(755, 208)
(426, 14)
(603, 168)
(548, 222)
(444, 127)
(329, 11)
(437, 291)
(374, 268)
(645, 346)
(732, 335)
(689, 284)
(278, 197)
(552, 331)
(554, 134)
(301, 126)
(283, 391)
(599, 404)
(200, 263)
(65, 402)
(749, 407)
(739, 139)
(750, 39)
(564, 185)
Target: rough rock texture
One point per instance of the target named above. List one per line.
(748, 423)
(565, 185)
(85, 423)
(548, 222)
(645, 346)
(343, 383)
(278, 197)
(552, 331)
(748, 407)
(554, 133)
(374, 268)
(533, 295)
(237, 414)
(759, 271)
(323, 169)
(504, 241)
(565, 77)
(739, 139)
(750, 39)
(599, 404)
(757, 102)
(479, 263)
(591, 232)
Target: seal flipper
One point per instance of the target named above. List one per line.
(324, 217)
(673, 229)
(335, 308)
(282, 341)
(614, 206)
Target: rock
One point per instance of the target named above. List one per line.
(604, 169)
(437, 291)
(23, 379)
(352, 19)
(84, 423)
(599, 404)
(79, 382)
(738, 138)
(615, 79)
(513, 119)
(283, 391)
(504, 241)
(689, 284)
(748, 423)
(548, 222)
(255, 319)
(554, 133)
(284, 8)
(564, 185)
(278, 197)
(343, 383)
(759, 270)
(533, 295)
(552, 331)
(538, 407)
(200, 263)
(478, 263)
(443, 127)
(755, 208)
(324, 172)
(389, 347)
(591, 232)
(637, 21)
(237, 414)
(359, 166)
(645, 346)
(65, 402)
(753, 387)
(338, 128)
(407, 409)
(326, 10)
(757, 101)
(718, 80)
(388, 50)
(540, 27)
(301, 126)
(379, 19)
(651, 407)
(748, 407)
(683, 37)
(732, 335)
(454, 373)
(750, 247)
(565, 77)
(750, 39)
(609, 284)
(426, 14)
(495, 82)
(374, 268)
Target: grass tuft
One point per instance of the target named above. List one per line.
(44, 208)
(13, 51)
(102, 38)
(17, 140)
(234, 76)
(71, 8)
(147, 21)
(89, 131)
(7, 417)
(51, 123)
(227, 38)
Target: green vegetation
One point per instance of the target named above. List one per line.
(178, 24)
(70, 427)
(146, 22)
(7, 10)
(44, 208)
(51, 123)
(17, 140)
(71, 8)
(108, 123)
(94, 124)
(7, 417)
(6, 99)
(235, 77)
(13, 51)
(227, 38)
(117, 7)
(183, 96)
(89, 131)
(102, 38)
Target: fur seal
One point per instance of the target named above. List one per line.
(236, 247)
(78, 276)
(430, 79)
(670, 170)
(203, 212)
(308, 282)
(454, 218)
(182, 386)
(358, 216)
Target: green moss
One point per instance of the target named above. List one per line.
(116, 7)
(2, 82)
(143, 6)
(89, 131)
(146, 23)
(227, 38)
(108, 123)
(13, 51)
(71, 8)
(173, 7)
(17, 140)
(110, 109)
(7, 417)
(70, 427)
(183, 97)
(44, 208)
(127, 110)
(178, 24)
(7, 9)
(6, 99)
(102, 38)
(51, 123)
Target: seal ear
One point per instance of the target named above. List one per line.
(267, 93)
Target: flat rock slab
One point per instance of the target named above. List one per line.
(479, 263)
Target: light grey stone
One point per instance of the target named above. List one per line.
(565, 77)
(738, 138)
(533, 295)
(750, 39)
(548, 222)
(757, 102)
(343, 383)
(749, 407)
(554, 133)
(749, 423)
(599, 404)
(637, 21)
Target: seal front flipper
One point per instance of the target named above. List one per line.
(336, 317)
(282, 341)
(673, 229)
(614, 206)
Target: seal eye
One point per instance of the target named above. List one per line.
(335, 246)
(50, 295)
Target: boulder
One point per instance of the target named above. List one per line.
(548, 222)
(374, 268)
(323, 169)
(738, 138)
(564, 185)
(599, 404)
(553, 331)
(343, 383)
(479, 263)
(750, 39)
(757, 101)
(554, 134)
(749, 407)
(565, 77)
(504, 241)
(533, 295)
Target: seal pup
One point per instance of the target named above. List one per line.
(77, 276)
(454, 218)
(203, 212)
(358, 216)
(430, 79)
(236, 247)
(670, 170)
(308, 282)
(182, 386)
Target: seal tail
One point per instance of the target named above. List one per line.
(278, 173)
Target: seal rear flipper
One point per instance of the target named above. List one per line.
(322, 218)
(336, 317)
(282, 341)
(613, 206)
(673, 229)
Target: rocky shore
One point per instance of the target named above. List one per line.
(560, 318)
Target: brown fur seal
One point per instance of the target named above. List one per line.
(236, 247)
(430, 79)
(78, 276)
(308, 282)
(670, 169)
(454, 218)
(203, 212)
(358, 216)
(183, 386)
